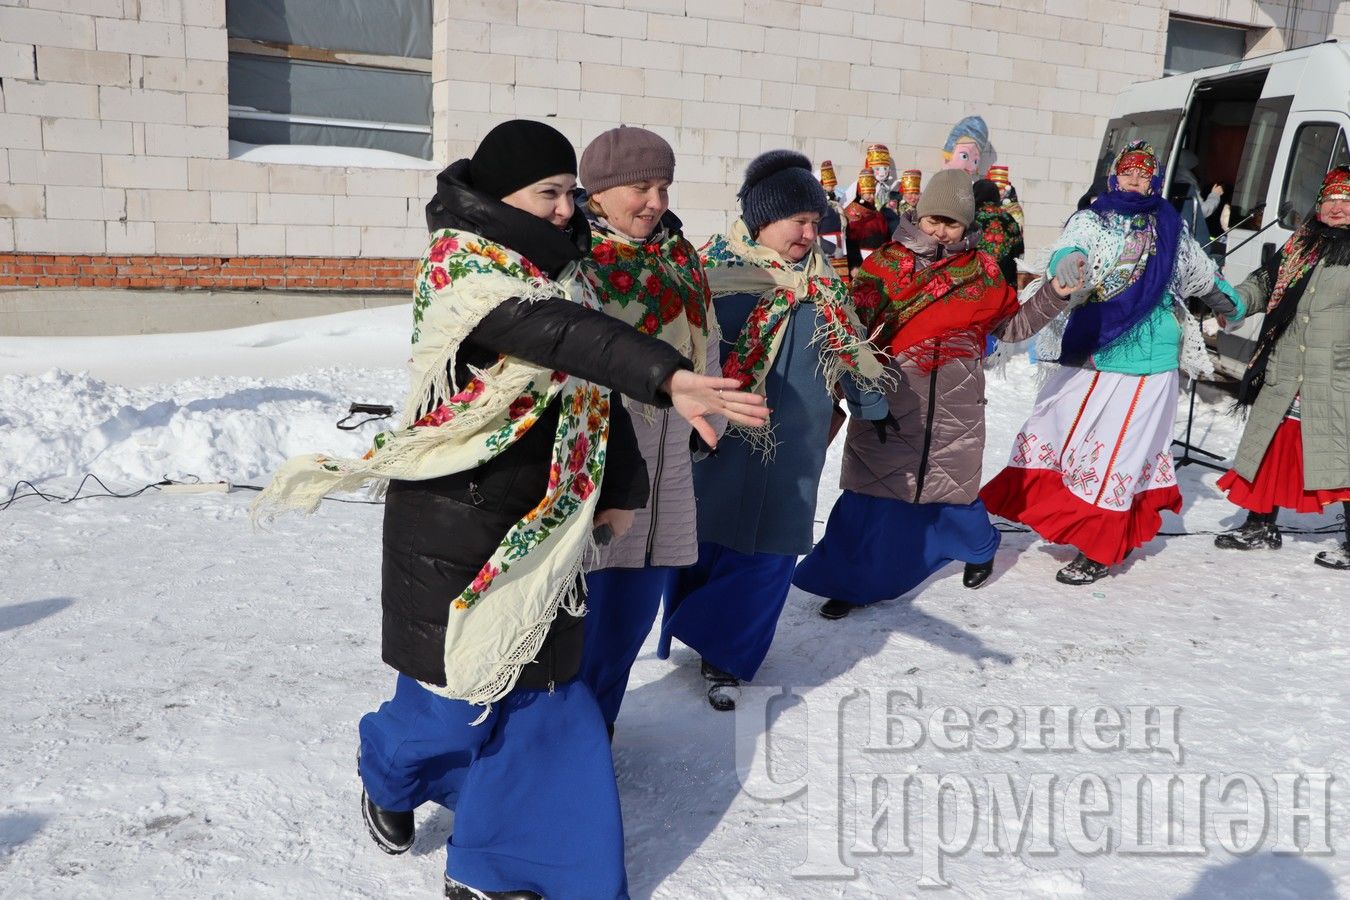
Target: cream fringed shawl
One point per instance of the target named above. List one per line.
(498, 624)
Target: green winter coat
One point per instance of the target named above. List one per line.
(1311, 359)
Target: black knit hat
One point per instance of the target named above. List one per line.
(779, 184)
(517, 153)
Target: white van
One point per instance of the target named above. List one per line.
(1267, 129)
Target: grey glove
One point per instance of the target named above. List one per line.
(1067, 270)
(1220, 303)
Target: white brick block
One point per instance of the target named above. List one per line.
(484, 11)
(169, 206)
(45, 98)
(875, 78)
(140, 38)
(737, 36)
(201, 239)
(206, 43)
(295, 209)
(538, 43)
(22, 201)
(186, 140)
(82, 66)
(4, 165)
(191, 75)
(725, 10)
(591, 107)
(826, 20)
(616, 22)
(58, 236)
(227, 175)
(16, 61)
(950, 12)
(140, 105)
(45, 167)
(596, 77)
(86, 136)
(371, 211)
(552, 14)
(652, 54)
(262, 240)
(708, 114)
(322, 240)
(46, 29)
(390, 183)
(205, 13)
(669, 7)
(592, 48)
(239, 207)
(676, 86)
(285, 179)
(489, 68)
(549, 73)
(392, 242)
(677, 29)
(6, 235)
(764, 120)
(208, 110)
(728, 89)
(145, 172)
(833, 46)
(647, 111)
(161, 10)
(712, 60)
(823, 72)
(112, 8)
(20, 132)
(109, 204)
(879, 28)
(130, 238)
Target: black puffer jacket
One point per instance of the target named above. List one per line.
(438, 533)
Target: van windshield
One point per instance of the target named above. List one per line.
(1158, 127)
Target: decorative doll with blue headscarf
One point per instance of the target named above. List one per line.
(1092, 467)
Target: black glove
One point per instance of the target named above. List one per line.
(882, 424)
(1219, 302)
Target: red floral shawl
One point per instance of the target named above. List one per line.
(934, 314)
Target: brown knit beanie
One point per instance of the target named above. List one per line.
(950, 194)
(626, 156)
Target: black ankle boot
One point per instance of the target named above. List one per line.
(835, 609)
(393, 831)
(456, 891)
(977, 574)
(724, 688)
(1259, 532)
(1081, 571)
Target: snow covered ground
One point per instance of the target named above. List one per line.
(181, 692)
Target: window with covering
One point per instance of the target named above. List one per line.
(1258, 160)
(1318, 147)
(1195, 45)
(347, 73)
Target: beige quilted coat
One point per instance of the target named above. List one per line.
(942, 412)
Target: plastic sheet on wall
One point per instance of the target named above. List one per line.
(330, 90)
(385, 27)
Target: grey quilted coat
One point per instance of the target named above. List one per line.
(937, 456)
(1311, 359)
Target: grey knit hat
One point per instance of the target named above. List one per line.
(626, 156)
(779, 184)
(950, 193)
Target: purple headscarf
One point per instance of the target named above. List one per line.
(1093, 327)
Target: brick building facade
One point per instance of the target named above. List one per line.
(115, 165)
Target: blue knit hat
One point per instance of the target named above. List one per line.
(779, 184)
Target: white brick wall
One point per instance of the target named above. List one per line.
(113, 114)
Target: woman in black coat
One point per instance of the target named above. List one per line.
(509, 454)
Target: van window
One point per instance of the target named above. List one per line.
(1258, 158)
(1159, 128)
(1318, 147)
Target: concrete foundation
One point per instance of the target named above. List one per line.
(69, 313)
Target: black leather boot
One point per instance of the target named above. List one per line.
(393, 831)
(1340, 557)
(977, 574)
(1259, 532)
(835, 609)
(724, 689)
(1081, 571)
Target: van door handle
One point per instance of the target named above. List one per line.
(1267, 252)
